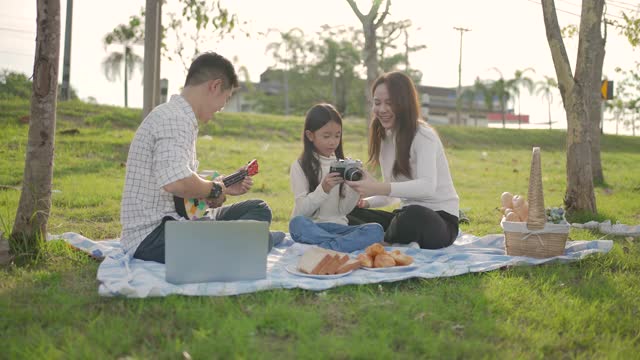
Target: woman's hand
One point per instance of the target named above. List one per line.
(363, 204)
(240, 188)
(331, 180)
(368, 186)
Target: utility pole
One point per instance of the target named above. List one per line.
(459, 91)
(151, 78)
(66, 62)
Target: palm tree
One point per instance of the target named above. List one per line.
(468, 97)
(502, 89)
(471, 94)
(519, 80)
(545, 89)
(484, 89)
(126, 35)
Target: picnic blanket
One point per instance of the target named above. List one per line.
(606, 227)
(120, 275)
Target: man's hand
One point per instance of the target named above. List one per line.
(241, 187)
(217, 202)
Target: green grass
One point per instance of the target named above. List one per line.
(50, 308)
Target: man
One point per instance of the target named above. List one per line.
(162, 162)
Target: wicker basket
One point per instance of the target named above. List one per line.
(535, 238)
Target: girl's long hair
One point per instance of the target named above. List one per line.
(318, 116)
(406, 108)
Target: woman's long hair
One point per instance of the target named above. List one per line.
(318, 116)
(406, 109)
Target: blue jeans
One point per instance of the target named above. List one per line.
(334, 236)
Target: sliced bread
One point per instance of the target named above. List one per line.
(313, 260)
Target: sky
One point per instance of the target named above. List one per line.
(505, 34)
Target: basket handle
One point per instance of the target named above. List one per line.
(537, 217)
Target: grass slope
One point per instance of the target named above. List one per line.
(50, 308)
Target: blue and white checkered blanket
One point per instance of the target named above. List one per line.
(120, 275)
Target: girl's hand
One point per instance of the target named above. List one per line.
(363, 204)
(368, 186)
(331, 180)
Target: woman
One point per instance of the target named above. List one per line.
(414, 169)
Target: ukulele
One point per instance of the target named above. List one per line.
(194, 209)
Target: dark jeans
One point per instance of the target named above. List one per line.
(152, 247)
(430, 229)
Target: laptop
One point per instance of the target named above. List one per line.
(206, 251)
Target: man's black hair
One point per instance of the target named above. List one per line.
(211, 66)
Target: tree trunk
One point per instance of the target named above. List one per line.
(35, 198)
(575, 93)
(549, 110)
(370, 61)
(369, 27)
(126, 75)
(580, 193)
(341, 95)
(591, 51)
(5, 257)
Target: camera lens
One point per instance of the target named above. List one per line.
(353, 174)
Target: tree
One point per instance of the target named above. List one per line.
(471, 95)
(337, 58)
(521, 81)
(13, 84)
(579, 94)
(545, 88)
(626, 104)
(126, 35)
(391, 32)
(290, 50)
(502, 89)
(370, 24)
(32, 215)
(487, 92)
(198, 22)
(17, 85)
(469, 98)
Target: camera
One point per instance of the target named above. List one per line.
(348, 169)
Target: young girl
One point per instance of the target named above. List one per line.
(414, 169)
(322, 201)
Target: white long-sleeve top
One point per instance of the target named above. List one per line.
(430, 184)
(318, 205)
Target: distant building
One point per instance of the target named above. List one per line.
(270, 84)
(439, 107)
(510, 118)
(438, 103)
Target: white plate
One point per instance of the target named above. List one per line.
(293, 270)
(392, 268)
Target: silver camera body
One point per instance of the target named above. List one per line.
(348, 169)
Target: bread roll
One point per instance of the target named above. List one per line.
(383, 260)
(512, 216)
(365, 260)
(506, 200)
(374, 250)
(400, 258)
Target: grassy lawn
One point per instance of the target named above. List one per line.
(51, 309)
